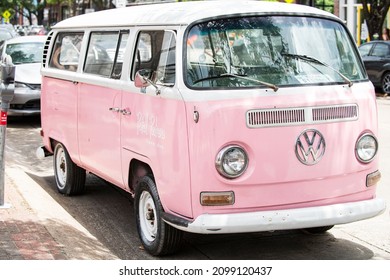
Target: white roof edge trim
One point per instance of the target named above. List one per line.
(184, 13)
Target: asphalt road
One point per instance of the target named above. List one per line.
(107, 213)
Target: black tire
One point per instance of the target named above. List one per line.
(386, 83)
(158, 238)
(70, 178)
(317, 230)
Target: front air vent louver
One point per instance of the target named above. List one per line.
(347, 112)
(46, 50)
(275, 117)
(301, 116)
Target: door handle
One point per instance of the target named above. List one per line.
(125, 112)
(115, 109)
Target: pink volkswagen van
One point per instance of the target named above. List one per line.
(217, 116)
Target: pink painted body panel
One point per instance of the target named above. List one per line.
(59, 114)
(99, 141)
(156, 133)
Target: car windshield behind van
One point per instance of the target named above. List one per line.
(270, 51)
(22, 53)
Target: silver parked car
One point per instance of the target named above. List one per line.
(26, 53)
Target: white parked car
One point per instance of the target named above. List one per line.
(26, 53)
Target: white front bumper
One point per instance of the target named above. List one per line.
(285, 219)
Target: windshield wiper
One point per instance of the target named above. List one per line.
(316, 61)
(224, 75)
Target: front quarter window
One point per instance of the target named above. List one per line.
(156, 54)
(270, 52)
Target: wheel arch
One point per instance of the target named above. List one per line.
(52, 143)
(137, 170)
(385, 72)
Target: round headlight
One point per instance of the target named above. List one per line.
(231, 161)
(366, 148)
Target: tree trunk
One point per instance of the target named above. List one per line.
(375, 16)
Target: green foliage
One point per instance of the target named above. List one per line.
(5, 5)
(326, 5)
(10, 5)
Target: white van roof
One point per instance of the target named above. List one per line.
(183, 13)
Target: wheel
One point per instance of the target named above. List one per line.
(386, 83)
(157, 237)
(317, 230)
(70, 178)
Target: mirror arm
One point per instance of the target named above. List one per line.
(158, 90)
(142, 81)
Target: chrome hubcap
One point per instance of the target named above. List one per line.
(61, 168)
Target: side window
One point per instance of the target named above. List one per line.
(105, 53)
(380, 50)
(66, 51)
(155, 52)
(365, 49)
(166, 68)
(144, 48)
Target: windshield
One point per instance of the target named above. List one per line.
(270, 52)
(25, 52)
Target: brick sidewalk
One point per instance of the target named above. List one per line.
(22, 235)
(36, 227)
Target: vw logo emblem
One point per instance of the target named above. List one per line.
(310, 147)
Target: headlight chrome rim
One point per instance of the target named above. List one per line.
(222, 164)
(360, 148)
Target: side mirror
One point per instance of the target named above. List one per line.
(142, 78)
